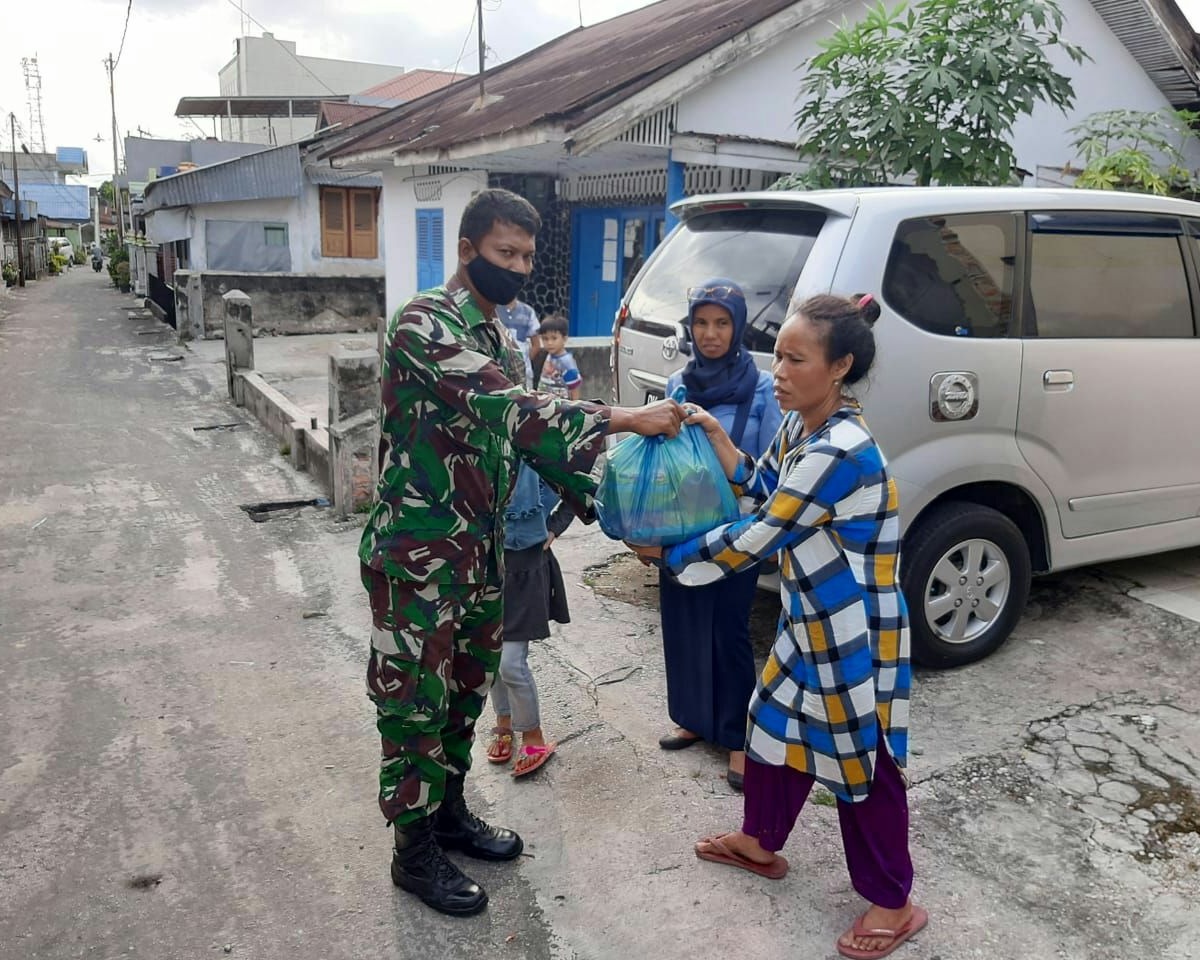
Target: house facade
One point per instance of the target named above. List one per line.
(274, 222)
(607, 125)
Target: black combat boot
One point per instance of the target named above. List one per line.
(420, 867)
(457, 828)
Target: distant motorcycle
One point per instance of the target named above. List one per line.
(97, 263)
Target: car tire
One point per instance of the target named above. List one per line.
(965, 571)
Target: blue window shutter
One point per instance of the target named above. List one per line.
(430, 242)
(423, 246)
(437, 241)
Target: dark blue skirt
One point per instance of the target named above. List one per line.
(709, 659)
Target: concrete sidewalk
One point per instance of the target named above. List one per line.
(187, 759)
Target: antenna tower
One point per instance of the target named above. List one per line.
(33, 97)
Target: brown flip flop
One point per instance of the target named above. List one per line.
(720, 853)
(915, 924)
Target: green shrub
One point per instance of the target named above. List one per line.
(118, 257)
(80, 258)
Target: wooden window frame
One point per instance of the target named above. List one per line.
(344, 241)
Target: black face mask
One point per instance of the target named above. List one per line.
(494, 283)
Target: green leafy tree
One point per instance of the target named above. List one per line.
(1137, 150)
(928, 93)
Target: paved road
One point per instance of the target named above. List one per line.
(187, 761)
(184, 764)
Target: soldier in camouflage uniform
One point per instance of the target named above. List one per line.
(454, 423)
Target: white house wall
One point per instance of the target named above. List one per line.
(400, 204)
(303, 218)
(262, 211)
(758, 98)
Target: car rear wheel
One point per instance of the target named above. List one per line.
(965, 572)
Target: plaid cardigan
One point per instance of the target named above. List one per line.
(839, 672)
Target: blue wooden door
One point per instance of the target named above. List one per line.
(595, 286)
(430, 241)
(608, 249)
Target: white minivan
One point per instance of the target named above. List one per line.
(1037, 384)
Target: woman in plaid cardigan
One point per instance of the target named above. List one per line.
(831, 705)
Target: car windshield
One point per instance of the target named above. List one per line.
(763, 250)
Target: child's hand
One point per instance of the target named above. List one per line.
(549, 540)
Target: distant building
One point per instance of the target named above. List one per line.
(45, 167)
(63, 209)
(268, 67)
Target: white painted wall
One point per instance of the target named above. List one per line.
(303, 217)
(758, 98)
(400, 224)
(267, 211)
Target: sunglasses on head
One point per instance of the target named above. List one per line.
(721, 291)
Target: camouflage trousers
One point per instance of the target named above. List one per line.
(435, 650)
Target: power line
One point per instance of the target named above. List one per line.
(125, 30)
(466, 40)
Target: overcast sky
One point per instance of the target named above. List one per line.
(174, 49)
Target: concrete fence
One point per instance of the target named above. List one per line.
(284, 303)
(341, 457)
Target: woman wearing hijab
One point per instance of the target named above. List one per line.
(706, 635)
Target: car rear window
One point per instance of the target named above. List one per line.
(763, 250)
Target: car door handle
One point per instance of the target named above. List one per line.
(1058, 379)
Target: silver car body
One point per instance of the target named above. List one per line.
(1101, 435)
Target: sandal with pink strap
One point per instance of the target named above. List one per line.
(531, 756)
(500, 746)
(915, 924)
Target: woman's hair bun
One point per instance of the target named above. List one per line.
(868, 307)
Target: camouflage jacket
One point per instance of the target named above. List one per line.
(453, 427)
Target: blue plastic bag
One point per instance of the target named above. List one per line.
(659, 492)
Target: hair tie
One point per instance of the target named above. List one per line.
(866, 299)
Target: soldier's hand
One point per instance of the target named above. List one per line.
(662, 418)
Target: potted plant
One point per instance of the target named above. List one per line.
(9, 271)
(123, 276)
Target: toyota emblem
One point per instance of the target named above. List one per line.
(670, 348)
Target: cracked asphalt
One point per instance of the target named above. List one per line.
(187, 757)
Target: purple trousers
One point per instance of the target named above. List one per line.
(874, 830)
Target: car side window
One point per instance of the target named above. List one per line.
(1108, 275)
(953, 275)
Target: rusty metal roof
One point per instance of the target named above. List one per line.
(407, 86)
(567, 81)
(580, 75)
(345, 114)
(1162, 41)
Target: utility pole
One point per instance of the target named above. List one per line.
(482, 48)
(112, 98)
(12, 121)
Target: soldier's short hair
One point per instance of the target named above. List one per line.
(496, 205)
